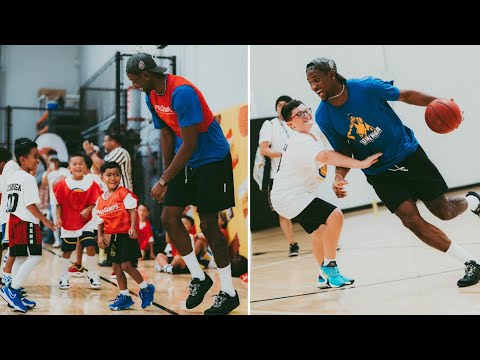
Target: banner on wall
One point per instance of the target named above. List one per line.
(234, 123)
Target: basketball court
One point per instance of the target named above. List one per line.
(171, 291)
(394, 272)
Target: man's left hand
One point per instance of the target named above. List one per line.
(158, 191)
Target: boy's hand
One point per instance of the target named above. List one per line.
(85, 212)
(338, 185)
(132, 233)
(50, 225)
(59, 223)
(102, 242)
(369, 161)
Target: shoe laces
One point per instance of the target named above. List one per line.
(219, 300)
(332, 271)
(470, 270)
(193, 288)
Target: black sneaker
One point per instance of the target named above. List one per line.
(294, 249)
(105, 263)
(223, 304)
(198, 289)
(472, 274)
(473, 193)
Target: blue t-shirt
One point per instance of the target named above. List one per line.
(367, 124)
(211, 145)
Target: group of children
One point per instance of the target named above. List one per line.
(81, 207)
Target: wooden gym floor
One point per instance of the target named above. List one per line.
(171, 291)
(394, 272)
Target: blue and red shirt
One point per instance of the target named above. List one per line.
(183, 105)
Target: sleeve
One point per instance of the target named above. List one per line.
(336, 140)
(119, 156)
(30, 192)
(383, 89)
(186, 104)
(157, 122)
(130, 201)
(266, 132)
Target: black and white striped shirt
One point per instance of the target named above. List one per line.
(122, 157)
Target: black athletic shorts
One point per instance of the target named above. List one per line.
(314, 215)
(86, 239)
(415, 177)
(123, 249)
(209, 187)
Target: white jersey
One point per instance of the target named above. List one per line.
(299, 176)
(122, 157)
(277, 133)
(10, 168)
(22, 191)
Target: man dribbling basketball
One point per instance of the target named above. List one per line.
(355, 117)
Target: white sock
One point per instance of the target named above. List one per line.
(472, 202)
(461, 254)
(16, 265)
(25, 270)
(168, 269)
(327, 261)
(125, 292)
(7, 277)
(226, 283)
(90, 263)
(143, 285)
(194, 266)
(64, 264)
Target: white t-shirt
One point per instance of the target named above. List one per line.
(21, 191)
(298, 179)
(84, 185)
(122, 157)
(277, 133)
(51, 177)
(10, 168)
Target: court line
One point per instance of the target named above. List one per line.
(171, 312)
(265, 312)
(349, 287)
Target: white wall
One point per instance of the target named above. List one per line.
(30, 67)
(449, 71)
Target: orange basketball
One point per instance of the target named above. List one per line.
(443, 116)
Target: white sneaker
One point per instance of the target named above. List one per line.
(158, 267)
(57, 244)
(168, 269)
(63, 283)
(94, 281)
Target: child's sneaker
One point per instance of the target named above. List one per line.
(113, 275)
(29, 304)
(121, 302)
(13, 298)
(75, 270)
(473, 193)
(94, 281)
(332, 275)
(223, 304)
(63, 283)
(147, 295)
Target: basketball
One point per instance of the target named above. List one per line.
(443, 116)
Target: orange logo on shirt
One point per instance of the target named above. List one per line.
(323, 171)
(365, 132)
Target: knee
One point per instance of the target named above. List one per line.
(125, 266)
(411, 222)
(336, 216)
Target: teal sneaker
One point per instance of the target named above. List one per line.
(321, 282)
(331, 274)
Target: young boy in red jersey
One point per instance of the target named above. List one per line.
(117, 217)
(25, 238)
(76, 196)
(144, 232)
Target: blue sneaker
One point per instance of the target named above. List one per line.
(29, 304)
(13, 298)
(121, 302)
(321, 282)
(332, 275)
(147, 295)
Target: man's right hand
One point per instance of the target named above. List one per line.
(338, 185)
(88, 146)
